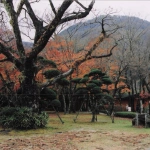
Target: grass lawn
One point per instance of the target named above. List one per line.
(82, 135)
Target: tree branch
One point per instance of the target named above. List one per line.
(88, 55)
(2, 78)
(79, 15)
(52, 6)
(41, 43)
(14, 23)
(80, 4)
(37, 23)
(32, 15)
(55, 79)
(9, 56)
(106, 55)
(20, 6)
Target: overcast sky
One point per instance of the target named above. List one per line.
(133, 7)
(137, 8)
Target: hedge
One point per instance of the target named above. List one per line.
(125, 114)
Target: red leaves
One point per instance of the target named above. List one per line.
(144, 95)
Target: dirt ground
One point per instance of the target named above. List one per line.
(77, 139)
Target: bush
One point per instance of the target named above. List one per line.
(22, 118)
(125, 114)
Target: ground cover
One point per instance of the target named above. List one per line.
(82, 135)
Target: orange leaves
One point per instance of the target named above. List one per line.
(40, 77)
(125, 90)
(2, 56)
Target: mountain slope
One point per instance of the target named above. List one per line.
(83, 32)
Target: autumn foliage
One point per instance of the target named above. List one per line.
(62, 53)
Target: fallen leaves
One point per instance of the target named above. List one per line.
(77, 140)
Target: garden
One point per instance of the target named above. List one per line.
(58, 94)
(82, 135)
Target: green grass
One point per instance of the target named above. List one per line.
(82, 123)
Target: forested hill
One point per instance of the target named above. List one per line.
(84, 32)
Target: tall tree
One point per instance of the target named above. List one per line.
(26, 63)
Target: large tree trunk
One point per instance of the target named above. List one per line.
(29, 93)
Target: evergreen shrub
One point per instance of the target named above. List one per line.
(22, 118)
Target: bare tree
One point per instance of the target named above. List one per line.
(132, 57)
(26, 62)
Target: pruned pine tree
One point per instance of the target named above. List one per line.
(92, 95)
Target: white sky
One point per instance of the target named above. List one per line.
(136, 8)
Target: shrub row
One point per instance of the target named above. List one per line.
(125, 114)
(22, 118)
